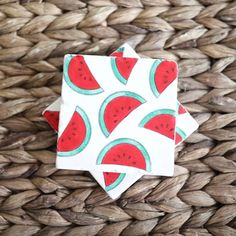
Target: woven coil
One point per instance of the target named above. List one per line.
(38, 199)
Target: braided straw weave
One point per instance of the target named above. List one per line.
(38, 199)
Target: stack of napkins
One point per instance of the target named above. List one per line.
(118, 117)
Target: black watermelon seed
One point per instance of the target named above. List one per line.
(69, 138)
(171, 129)
(115, 121)
(74, 128)
(122, 108)
(156, 127)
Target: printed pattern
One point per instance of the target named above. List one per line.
(180, 108)
(76, 135)
(162, 74)
(127, 152)
(116, 107)
(111, 179)
(122, 68)
(161, 121)
(78, 76)
(53, 118)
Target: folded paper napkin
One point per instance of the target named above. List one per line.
(119, 117)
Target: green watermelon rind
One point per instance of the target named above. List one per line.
(181, 133)
(71, 85)
(120, 49)
(151, 115)
(87, 137)
(127, 141)
(116, 183)
(108, 100)
(152, 77)
(117, 72)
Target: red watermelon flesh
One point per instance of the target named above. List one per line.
(178, 138)
(73, 135)
(117, 54)
(125, 66)
(80, 75)
(181, 110)
(166, 73)
(117, 109)
(163, 124)
(180, 135)
(53, 118)
(110, 177)
(125, 154)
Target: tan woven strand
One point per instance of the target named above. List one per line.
(38, 199)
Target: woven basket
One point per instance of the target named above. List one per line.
(38, 199)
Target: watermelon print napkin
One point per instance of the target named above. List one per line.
(114, 110)
(113, 182)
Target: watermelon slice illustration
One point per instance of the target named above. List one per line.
(76, 135)
(112, 179)
(122, 67)
(162, 74)
(161, 121)
(118, 53)
(126, 152)
(181, 109)
(116, 107)
(180, 135)
(78, 76)
(53, 118)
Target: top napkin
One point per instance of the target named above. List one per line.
(118, 115)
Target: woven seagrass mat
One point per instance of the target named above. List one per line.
(38, 199)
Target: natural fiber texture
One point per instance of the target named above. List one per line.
(36, 198)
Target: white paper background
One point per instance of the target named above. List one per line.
(162, 156)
